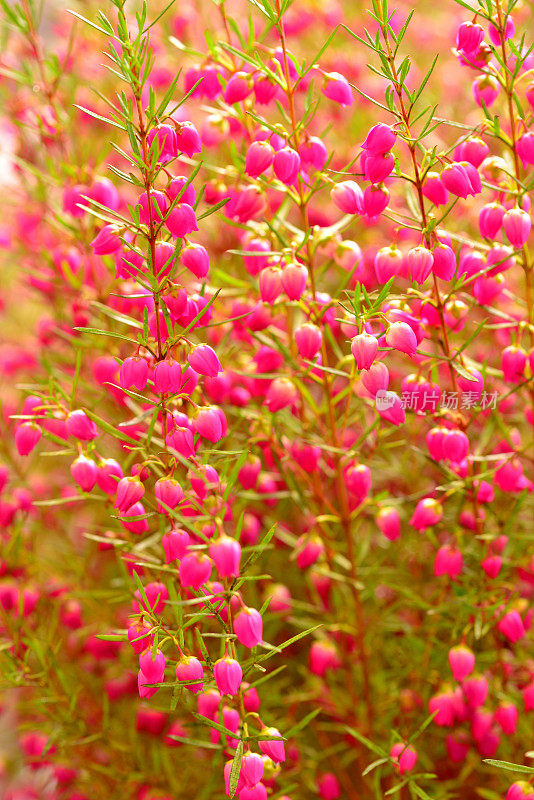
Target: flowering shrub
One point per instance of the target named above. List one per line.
(267, 403)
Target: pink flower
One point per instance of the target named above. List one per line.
(293, 278)
(168, 493)
(260, 156)
(517, 225)
(134, 372)
(401, 337)
(428, 512)
(106, 241)
(84, 472)
(379, 140)
(388, 521)
(286, 165)
(181, 221)
(228, 675)
(308, 338)
(348, 197)
(80, 426)
(195, 570)
(248, 627)
(364, 348)
(462, 661)
(203, 360)
(404, 757)
(336, 88)
(226, 555)
(189, 669)
(27, 435)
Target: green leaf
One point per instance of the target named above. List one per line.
(211, 724)
(507, 765)
(374, 748)
(236, 769)
(304, 722)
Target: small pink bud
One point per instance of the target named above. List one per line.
(328, 787)
(336, 88)
(274, 748)
(139, 637)
(449, 561)
(377, 168)
(162, 139)
(226, 555)
(259, 158)
(364, 348)
(281, 394)
(180, 189)
(388, 263)
(428, 512)
(376, 378)
(455, 446)
(80, 426)
(313, 153)
(167, 377)
(238, 88)
(348, 197)
(485, 90)
(379, 140)
(404, 757)
(517, 225)
(435, 190)
(294, 278)
(228, 675)
(308, 338)
(181, 221)
(134, 372)
(469, 37)
(270, 284)
(195, 257)
(401, 337)
(388, 521)
(525, 147)
(27, 435)
(286, 165)
(129, 491)
(248, 627)
(490, 220)
(106, 241)
(358, 480)
(252, 768)
(195, 570)
(157, 208)
(492, 566)
(309, 549)
(188, 139)
(375, 200)
(152, 668)
(203, 360)
(189, 668)
(210, 423)
(506, 718)
(511, 626)
(455, 179)
(84, 472)
(168, 493)
(444, 265)
(513, 364)
(462, 661)
(419, 261)
(475, 690)
(175, 544)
